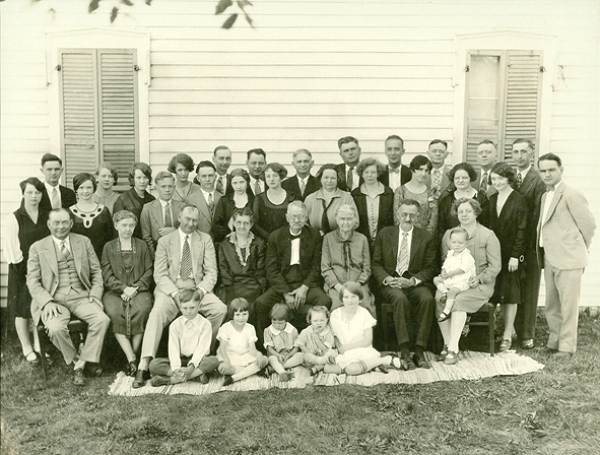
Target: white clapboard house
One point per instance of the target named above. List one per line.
(166, 78)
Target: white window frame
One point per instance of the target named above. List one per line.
(99, 38)
(501, 40)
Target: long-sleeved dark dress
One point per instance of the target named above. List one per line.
(268, 216)
(96, 225)
(223, 211)
(447, 217)
(129, 200)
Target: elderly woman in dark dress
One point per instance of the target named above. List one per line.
(242, 261)
(134, 199)
(24, 227)
(484, 246)
(90, 218)
(270, 206)
(237, 199)
(374, 201)
(127, 272)
(461, 177)
(508, 216)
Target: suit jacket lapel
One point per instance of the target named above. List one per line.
(77, 252)
(557, 196)
(394, 242)
(176, 250)
(51, 254)
(414, 244)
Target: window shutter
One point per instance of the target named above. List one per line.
(523, 95)
(79, 112)
(118, 110)
(99, 110)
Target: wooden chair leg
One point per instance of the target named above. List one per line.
(43, 362)
(492, 329)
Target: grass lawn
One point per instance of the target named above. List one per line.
(555, 411)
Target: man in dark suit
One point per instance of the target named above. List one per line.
(396, 174)
(54, 195)
(487, 156)
(531, 186)
(303, 183)
(403, 266)
(437, 152)
(222, 161)
(293, 264)
(348, 178)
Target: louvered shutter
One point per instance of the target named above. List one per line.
(79, 98)
(98, 110)
(523, 90)
(118, 110)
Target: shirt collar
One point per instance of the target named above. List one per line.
(50, 188)
(59, 243)
(206, 193)
(164, 203)
(191, 322)
(555, 186)
(182, 235)
(524, 172)
(287, 329)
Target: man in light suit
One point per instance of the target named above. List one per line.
(160, 217)
(403, 267)
(303, 183)
(185, 259)
(564, 234)
(205, 175)
(348, 177)
(530, 185)
(55, 195)
(437, 151)
(64, 278)
(487, 156)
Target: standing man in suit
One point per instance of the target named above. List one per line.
(395, 174)
(54, 195)
(293, 264)
(348, 177)
(403, 266)
(564, 234)
(64, 278)
(530, 185)
(222, 161)
(437, 151)
(487, 156)
(256, 160)
(206, 175)
(185, 259)
(159, 217)
(303, 183)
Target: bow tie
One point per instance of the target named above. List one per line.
(395, 171)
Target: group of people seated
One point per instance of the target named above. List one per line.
(254, 272)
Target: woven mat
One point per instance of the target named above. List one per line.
(472, 365)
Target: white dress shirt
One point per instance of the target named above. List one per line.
(549, 196)
(49, 190)
(395, 177)
(295, 254)
(261, 184)
(59, 243)
(189, 337)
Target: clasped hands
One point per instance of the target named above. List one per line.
(399, 282)
(182, 374)
(296, 298)
(128, 293)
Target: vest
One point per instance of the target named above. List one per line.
(68, 280)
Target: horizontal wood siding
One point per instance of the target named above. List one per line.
(310, 72)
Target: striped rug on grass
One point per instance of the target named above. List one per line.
(472, 365)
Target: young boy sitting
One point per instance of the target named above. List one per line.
(189, 345)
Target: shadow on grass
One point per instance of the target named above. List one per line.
(554, 411)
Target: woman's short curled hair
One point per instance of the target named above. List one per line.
(83, 177)
(368, 162)
(349, 208)
(240, 172)
(505, 170)
(143, 167)
(246, 211)
(34, 182)
(326, 167)
(464, 167)
(279, 169)
(124, 215)
(181, 158)
(111, 169)
(418, 161)
(474, 203)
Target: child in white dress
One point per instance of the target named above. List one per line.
(279, 339)
(458, 268)
(237, 352)
(352, 326)
(317, 342)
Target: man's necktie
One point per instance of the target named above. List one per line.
(186, 259)
(484, 182)
(302, 187)
(55, 200)
(350, 178)
(519, 179)
(436, 179)
(220, 187)
(402, 264)
(168, 217)
(64, 251)
(211, 203)
(257, 189)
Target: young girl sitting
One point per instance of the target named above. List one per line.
(237, 350)
(458, 267)
(279, 342)
(352, 326)
(317, 342)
